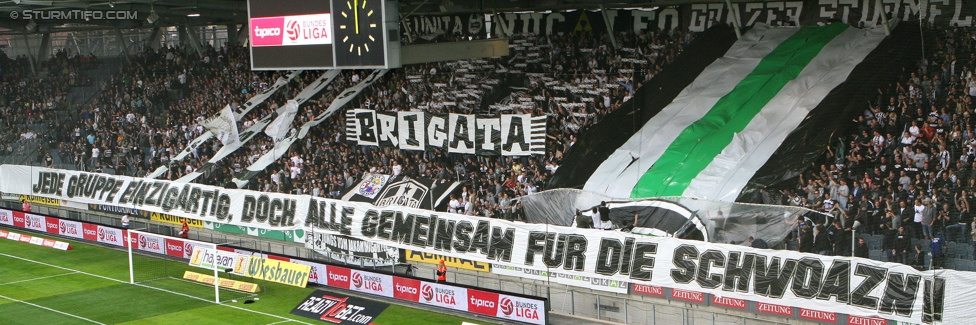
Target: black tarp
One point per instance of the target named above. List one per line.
(666, 216)
(597, 142)
(834, 115)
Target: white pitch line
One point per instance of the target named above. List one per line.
(148, 287)
(40, 278)
(51, 309)
(284, 321)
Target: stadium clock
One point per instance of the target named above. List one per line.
(359, 32)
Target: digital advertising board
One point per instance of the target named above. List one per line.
(334, 34)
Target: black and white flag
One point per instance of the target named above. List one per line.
(383, 190)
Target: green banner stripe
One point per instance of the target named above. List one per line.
(698, 144)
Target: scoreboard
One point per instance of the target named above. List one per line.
(330, 34)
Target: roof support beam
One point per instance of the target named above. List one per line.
(231, 33)
(879, 7)
(243, 34)
(122, 45)
(30, 55)
(154, 36)
(609, 23)
(734, 11)
(45, 49)
(193, 38)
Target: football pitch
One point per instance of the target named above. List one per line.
(90, 285)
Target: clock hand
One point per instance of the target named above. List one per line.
(355, 14)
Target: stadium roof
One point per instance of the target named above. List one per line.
(221, 12)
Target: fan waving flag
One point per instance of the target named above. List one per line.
(224, 126)
(278, 128)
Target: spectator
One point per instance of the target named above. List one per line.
(806, 240)
(125, 221)
(517, 213)
(919, 262)
(595, 216)
(583, 221)
(757, 243)
(25, 206)
(838, 240)
(888, 242)
(861, 250)
(184, 230)
(441, 272)
(604, 212)
(903, 243)
(972, 234)
(821, 241)
(938, 249)
(919, 218)
(928, 219)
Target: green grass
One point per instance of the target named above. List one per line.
(89, 285)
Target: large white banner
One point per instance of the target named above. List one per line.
(270, 211)
(853, 286)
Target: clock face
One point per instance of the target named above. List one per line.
(359, 32)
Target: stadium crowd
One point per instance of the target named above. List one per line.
(26, 102)
(147, 113)
(907, 171)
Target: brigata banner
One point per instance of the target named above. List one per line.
(853, 286)
(492, 135)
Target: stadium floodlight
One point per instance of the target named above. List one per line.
(31, 26)
(153, 17)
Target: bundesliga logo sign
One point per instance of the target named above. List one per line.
(291, 30)
(518, 308)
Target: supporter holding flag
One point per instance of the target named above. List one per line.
(938, 249)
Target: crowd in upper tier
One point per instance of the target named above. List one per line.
(907, 169)
(147, 113)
